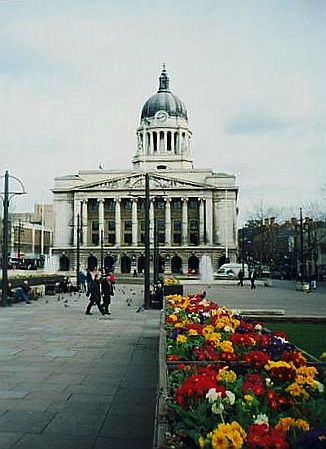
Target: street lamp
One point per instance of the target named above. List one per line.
(7, 195)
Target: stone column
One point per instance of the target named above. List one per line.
(168, 222)
(100, 218)
(134, 223)
(117, 222)
(151, 221)
(209, 221)
(84, 222)
(165, 141)
(184, 221)
(201, 221)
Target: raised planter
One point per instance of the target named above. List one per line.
(176, 289)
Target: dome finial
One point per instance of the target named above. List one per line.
(164, 80)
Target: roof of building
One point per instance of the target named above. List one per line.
(164, 100)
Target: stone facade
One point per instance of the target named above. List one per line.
(192, 211)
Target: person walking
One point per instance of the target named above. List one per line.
(253, 280)
(94, 294)
(89, 280)
(240, 276)
(107, 292)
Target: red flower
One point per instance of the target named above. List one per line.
(261, 436)
(172, 358)
(253, 383)
(277, 401)
(243, 339)
(195, 387)
(256, 359)
(281, 374)
(294, 356)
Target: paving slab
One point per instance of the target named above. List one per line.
(79, 378)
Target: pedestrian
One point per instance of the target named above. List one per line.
(107, 292)
(94, 294)
(253, 280)
(240, 276)
(89, 279)
(82, 278)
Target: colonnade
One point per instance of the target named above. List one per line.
(205, 218)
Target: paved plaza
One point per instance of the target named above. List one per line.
(74, 381)
(90, 382)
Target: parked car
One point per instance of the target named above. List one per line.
(231, 271)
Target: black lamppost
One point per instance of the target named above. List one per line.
(78, 252)
(147, 298)
(102, 250)
(302, 271)
(7, 195)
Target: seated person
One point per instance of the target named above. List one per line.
(21, 293)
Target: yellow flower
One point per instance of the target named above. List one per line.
(279, 364)
(192, 332)
(227, 375)
(207, 330)
(248, 398)
(201, 442)
(173, 318)
(297, 390)
(284, 424)
(302, 424)
(227, 346)
(181, 339)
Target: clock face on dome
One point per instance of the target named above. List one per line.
(161, 116)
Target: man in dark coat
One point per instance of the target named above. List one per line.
(94, 294)
(107, 292)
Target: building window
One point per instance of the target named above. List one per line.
(193, 238)
(142, 226)
(177, 225)
(126, 204)
(160, 204)
(177, 204)
(176, 238)
(93, 204)
(160, 225)
(193, 203)
(111, 225)
(128, 225)
(193, 225)
(127, 239)
(95, 239)
(111, 205)
(95, 226)
(111, 239)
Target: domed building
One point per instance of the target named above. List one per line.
(192, 211)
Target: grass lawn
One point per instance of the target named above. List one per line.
(308, 336)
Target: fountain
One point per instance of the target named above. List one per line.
(49, 264)
(206, 269)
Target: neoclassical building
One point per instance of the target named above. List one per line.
(192, 211)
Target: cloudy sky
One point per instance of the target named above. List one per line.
(74, 75)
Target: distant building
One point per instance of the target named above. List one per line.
(192, 211)
(31, 236)
(278, 246)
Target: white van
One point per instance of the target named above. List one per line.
(231, 271)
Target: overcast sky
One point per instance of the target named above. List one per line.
(75, 74)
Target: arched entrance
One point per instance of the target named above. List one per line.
(125, 264)
(141, 263)
(176, 264)
(108, 263)
(64, 262)
(91, 262)
(193, 264)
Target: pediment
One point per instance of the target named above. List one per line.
(137, 182)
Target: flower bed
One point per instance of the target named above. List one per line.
(231, 384)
